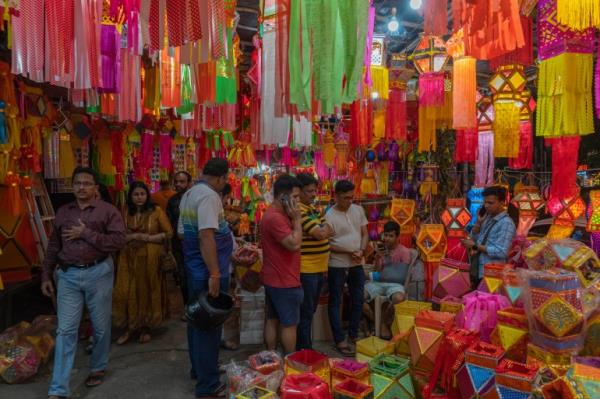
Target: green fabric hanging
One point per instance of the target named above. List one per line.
(299, 57)
(355, 16)
(226, 83)
(186, 91)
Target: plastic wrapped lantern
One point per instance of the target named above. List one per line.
(565, 211)
(528, 201)
(493, 277)
(554, 305)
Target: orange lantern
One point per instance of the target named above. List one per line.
(432, 243)
(565, 211)
(456, 217)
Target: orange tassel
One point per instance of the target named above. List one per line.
(464, 93)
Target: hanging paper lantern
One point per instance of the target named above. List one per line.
(342, 150)
(430, 58)
(565, 211)
(429, 176)
(329, 149)
(565, 74)
(403, 212)
(593, 224)
(432, 242)
(528, 201)
(485, 113)
(456, 217)
(475, 197)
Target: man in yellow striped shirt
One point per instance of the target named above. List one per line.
(314, 257)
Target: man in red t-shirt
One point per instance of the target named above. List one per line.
(281, 237)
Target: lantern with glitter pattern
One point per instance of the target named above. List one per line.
(427, 336)
(554, 305)
(390, 377)
(476, 378)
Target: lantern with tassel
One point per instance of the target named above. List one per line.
(429, 177)
(506, 85)
(456, 217)
(342, 149)
(432, 243)
(329, 149)
(402, 212)
(528, 201)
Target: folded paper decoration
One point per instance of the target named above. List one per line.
(493, 277)
(512, 333)
(514, 380)
(352, 389)
(404, 321)
(308, 361)
(348, 368)
(304, 386)
(368, 348)
(476, 378)
(456, 217)
(390, 377)
(451, 278)
(426, 337)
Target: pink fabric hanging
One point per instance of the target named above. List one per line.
(130, 106)
(369, 49)
(465, 149)
(147, 149)
(87, 16)
(484, 165)
(565, 154)
(597, 84)
(60, 37)
(435, 21)
(132, 18)
(111, 59)
(431, 89)
(525, 158)
(164, 143)
(28, 41)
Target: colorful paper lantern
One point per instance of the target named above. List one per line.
(493, 277)
(451, 278)
(511, 287)
(352, 389)
(403, 212)
(565, 211)
(304, 386)
(476, 378)
(349, 368)
(514, 379)
(555, 362)
(432, 242)
(427, 336)
(554, 304)
(475, 197)
(430, 54)
(528, 201)
(308, 361)
(390, 377)
(584, 376)
(368, 348)
(451, 304)
(512, 333)
(456, 217)
(404, 321)
(593, 225)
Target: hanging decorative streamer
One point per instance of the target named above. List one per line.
(506, 130)
(435, 17)
(464, 93)
(299, 57)
(369, 46)
(597, 85)
(170, 78)
(484, 166)
(395, 123)
(218, 28)
(525, 158)
(28, 40)
(130, 108)
(110, 44)
(59, 54)
(565, 153)
(465, 149)
(431, 89)
(361, 127)
(522, 55)
(281, 57)
(578, 14)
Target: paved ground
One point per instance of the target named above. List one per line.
(158, 369)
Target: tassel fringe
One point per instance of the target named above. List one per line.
(464, 93)
(578, 14)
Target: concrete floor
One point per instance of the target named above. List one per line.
(158, 369)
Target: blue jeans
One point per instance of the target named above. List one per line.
(76, 287)
(337, 277)
(312, 283)
(203, 345)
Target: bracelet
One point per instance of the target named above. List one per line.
(215, 276)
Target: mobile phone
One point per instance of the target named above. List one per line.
(286, 200)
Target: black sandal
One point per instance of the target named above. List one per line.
(219, 393)
(345, 351)
(95, 379)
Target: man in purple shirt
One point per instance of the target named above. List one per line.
(86, 232)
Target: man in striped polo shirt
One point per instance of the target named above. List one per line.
(314, 257)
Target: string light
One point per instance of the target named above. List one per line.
(416, 4)
(393, 25)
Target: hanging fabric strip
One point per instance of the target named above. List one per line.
(194, 25)
(431, 89)
(578, 14)
(355, 23)
(395, 124)
(427, 129)
(110, 55)
(300, 70)
(218, 25)
(597, 84)
(565, 105)
(170, 78)
(282, 83)
(129, 97)
(464, 93)
(506, 130)
(484, 166)
(465, 149)
(522, 55)
(59, 51)
(525, 158)
(436, 17)
(176, 15)
(132, 9)
(28, 41)
(369, 46)
(565, 154)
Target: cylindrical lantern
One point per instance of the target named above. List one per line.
(464, 92)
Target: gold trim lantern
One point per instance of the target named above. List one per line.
(565, 211)
(485, 113)
(593, 224)
(430, 58)
(506, 84)
(528, 201)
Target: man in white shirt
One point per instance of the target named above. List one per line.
(347, 245)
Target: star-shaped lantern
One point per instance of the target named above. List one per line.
(432, 242)
(528, 201)
(430, 54)
(402, 212)
(456, 217)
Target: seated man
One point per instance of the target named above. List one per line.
(390, 278)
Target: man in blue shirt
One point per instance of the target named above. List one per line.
(207, 248)
(493, 233)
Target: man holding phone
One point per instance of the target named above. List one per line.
(493, 233)
(281, 237)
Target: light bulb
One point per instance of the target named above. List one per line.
(375, 95)
(415, 4)
(393, 25)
